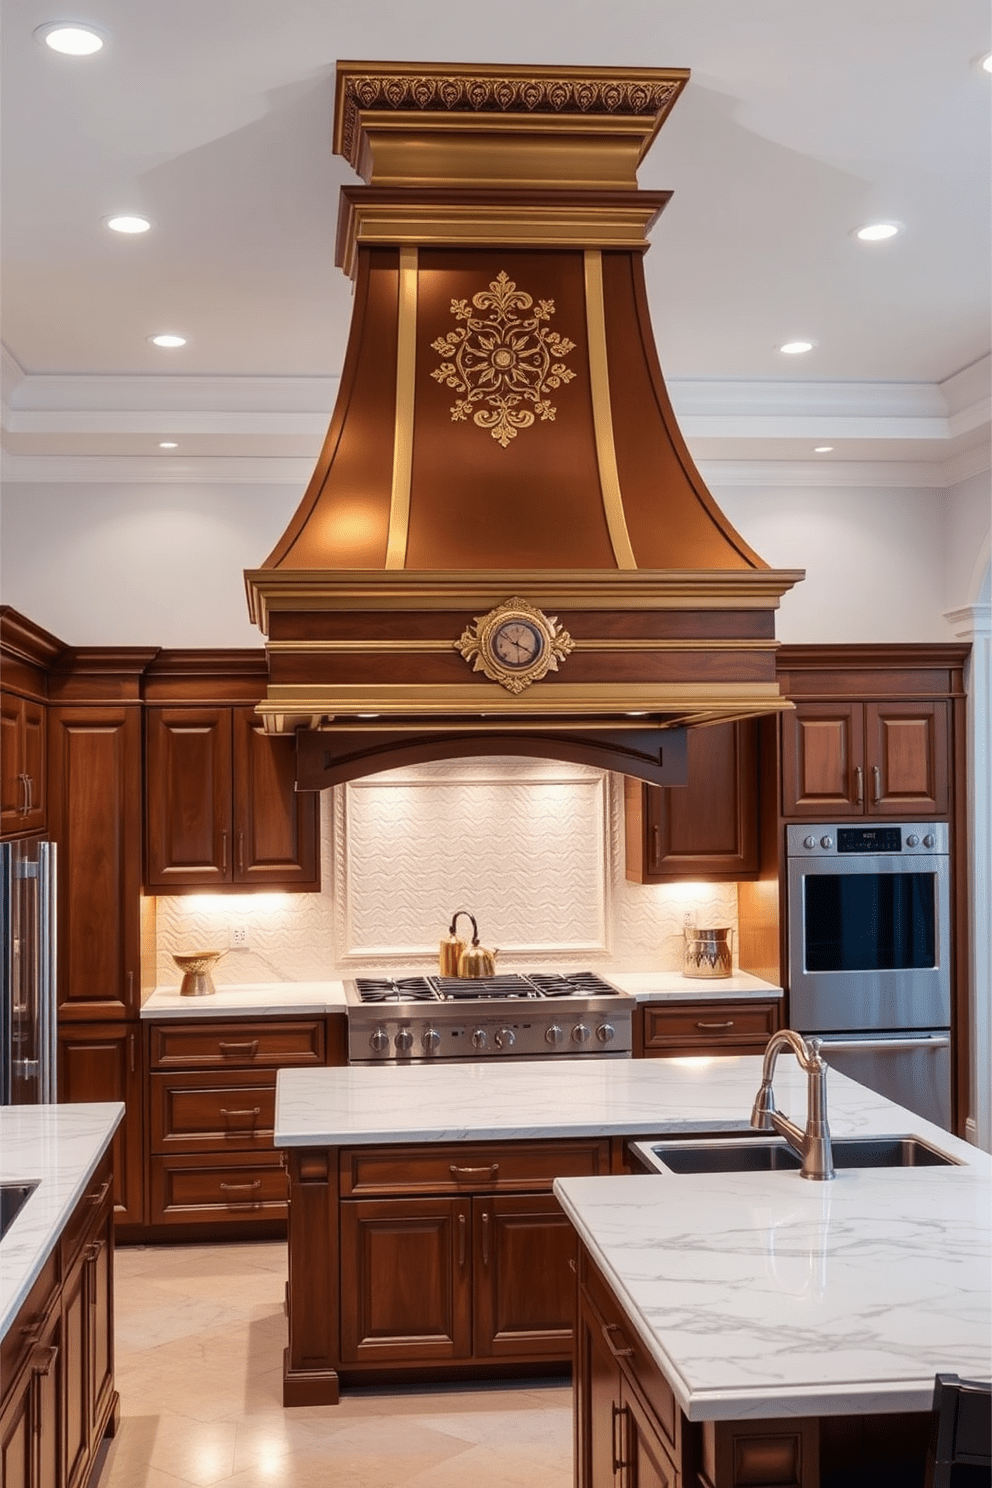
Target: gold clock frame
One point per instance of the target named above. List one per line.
(477, 644)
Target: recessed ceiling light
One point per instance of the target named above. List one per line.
(167, 340)
(823, 449)
(127, 223)
(796, 348)
(69, 39)
(986, 62)
(168, 444)
(877, 232)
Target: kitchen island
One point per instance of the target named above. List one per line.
(57, 1394)
(784, 1298)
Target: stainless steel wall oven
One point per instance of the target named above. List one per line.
(869, 955)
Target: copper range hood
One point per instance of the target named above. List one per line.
(505, 546)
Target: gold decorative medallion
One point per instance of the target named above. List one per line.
(515, 644)
(503, 360)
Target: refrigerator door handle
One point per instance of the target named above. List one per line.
(893, 1045)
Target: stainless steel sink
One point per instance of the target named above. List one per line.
(739, 1152)
(13, 1197)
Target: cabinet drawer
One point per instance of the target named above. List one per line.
(24, 1332)
(88, 1213)
(196, 1045)
(463, 1168)
(204, 1187)
(703, 1025)
(212, 1113)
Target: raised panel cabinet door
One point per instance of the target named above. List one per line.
(907, 759)
(596, 1396)
(406, 1267)
(31, 1420)
(13, 791)
(95, 801)
(102, 1062)
(646, 1463)
(34, 763)
(188, 798)
(524, 1285)
(275, 826)
(823, 761)
(708, 828)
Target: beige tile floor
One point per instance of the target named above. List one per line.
(200, 1335)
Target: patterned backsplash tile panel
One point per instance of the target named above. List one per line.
(533, 848)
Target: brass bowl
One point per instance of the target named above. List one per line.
(195, 966)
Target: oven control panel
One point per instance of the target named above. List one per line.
(828, 839)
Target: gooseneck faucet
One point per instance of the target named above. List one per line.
(813, 1144)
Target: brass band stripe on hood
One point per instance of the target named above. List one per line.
(602, 412)
(406, 366)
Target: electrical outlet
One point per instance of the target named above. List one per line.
(238, 937)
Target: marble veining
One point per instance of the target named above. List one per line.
(759, 1295)
(258, 999)
(61, 1146)
(672, 986)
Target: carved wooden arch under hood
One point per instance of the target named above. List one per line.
(505, 545)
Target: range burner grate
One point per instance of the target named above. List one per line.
(509, 986)
(403, 989)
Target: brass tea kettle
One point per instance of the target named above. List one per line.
(457, 959)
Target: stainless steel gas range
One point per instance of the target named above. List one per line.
(533, 1015)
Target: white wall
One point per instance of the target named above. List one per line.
(162, 565)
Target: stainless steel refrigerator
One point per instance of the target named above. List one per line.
(27, 993)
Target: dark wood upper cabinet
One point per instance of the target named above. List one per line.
(23, 768)
(95, 785)
(222, 810)
(706, 829)
(853, 759)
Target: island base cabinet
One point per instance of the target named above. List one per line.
(30, 1421)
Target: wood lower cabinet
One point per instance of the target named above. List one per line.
(405, 1260)
(23, 766)
(95, 778)
(706, 829)
(211, 1103)
(57, 1395)
(222, 810)
(102, 1062)
(714, 1027)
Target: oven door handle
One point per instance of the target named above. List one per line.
(892, 1046)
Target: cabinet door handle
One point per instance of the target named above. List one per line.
(859, 786)
(876, 780)
(131, 1052)
(728, 1024)
(97, 1199)
(459, 1173)
(655, 846)
(462, 1233)
(223, 852)
(618, 1445)
(618, 1353)
(241, 852)
(130, 988)
(485, 1237)
(28, 793)
(22, 779)
(248, 1049)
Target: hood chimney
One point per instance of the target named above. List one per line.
(505, 545)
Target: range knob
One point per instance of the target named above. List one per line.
(912, 840)
(581, 1034)
(404, 1041)
(479, 1039)
(826, 842)
(554, 1034)
(380, 1041)
(809, 842)
(605, 1032)
(504, 1038)
(431, 1040)
(929, 840)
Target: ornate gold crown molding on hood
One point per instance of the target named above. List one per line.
(505, 543)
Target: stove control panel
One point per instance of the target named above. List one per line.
(405, 1040)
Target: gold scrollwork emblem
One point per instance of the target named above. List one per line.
(503, 360)
(515, 644)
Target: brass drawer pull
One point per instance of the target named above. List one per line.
(728, 1024)
(255, 1111)
(97, 1199)
(241, 1187)
(45, 1360)
(249, 1049)
(618, 1353)
(460, 1173)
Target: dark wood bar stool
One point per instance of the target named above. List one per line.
(960, 1454)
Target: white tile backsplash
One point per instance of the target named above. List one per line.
(533, 848)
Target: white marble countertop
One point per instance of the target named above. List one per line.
(60, 1147)
(672, 986)
(758, 1295)
(256, 999)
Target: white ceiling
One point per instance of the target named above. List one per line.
(802, 121)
